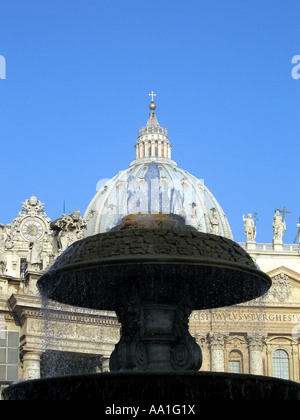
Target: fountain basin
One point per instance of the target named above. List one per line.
(153, 271)
(160, 258)
(145, 390)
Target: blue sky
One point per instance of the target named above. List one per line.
(78, 74)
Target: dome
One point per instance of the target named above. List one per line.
(153, 183)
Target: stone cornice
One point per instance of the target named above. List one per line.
(24, 307)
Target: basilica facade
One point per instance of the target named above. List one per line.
(42, 338)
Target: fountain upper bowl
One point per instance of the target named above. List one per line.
(161, 258)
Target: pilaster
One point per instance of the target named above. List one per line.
(217, 347)
(31, 365)
(256, 343)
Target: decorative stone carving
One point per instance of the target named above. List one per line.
(214, 222)
(27, 240)
(193, 217)
(217, 340)
(3, 259)
(249, 228)
(279, 227)
(33, 207)
(154, 337)
(235, 342)
(67, 230)
(32, 223)
(35, 255)
(256, 341)
(6, 232)
(281, 288)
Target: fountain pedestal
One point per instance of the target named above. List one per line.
(155, 337)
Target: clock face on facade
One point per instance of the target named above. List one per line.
(32, 229)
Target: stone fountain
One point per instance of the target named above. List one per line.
(153, 271)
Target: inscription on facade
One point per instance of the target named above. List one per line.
(244, 317)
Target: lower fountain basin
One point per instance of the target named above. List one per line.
(155, 389)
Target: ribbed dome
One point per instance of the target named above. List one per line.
(154, 184)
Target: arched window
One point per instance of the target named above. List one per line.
(156, 149)
(281, 365)
(235, 362)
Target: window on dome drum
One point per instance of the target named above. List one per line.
(235, 363)
(9, 356)
(281, 364)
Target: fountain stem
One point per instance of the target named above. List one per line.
(155, 337)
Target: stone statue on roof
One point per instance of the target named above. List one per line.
(249, 228)
(279, 227)
(3, 259)
(214, 222)
(67, 230)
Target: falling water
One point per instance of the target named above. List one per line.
(231, 323)
(73, 339)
